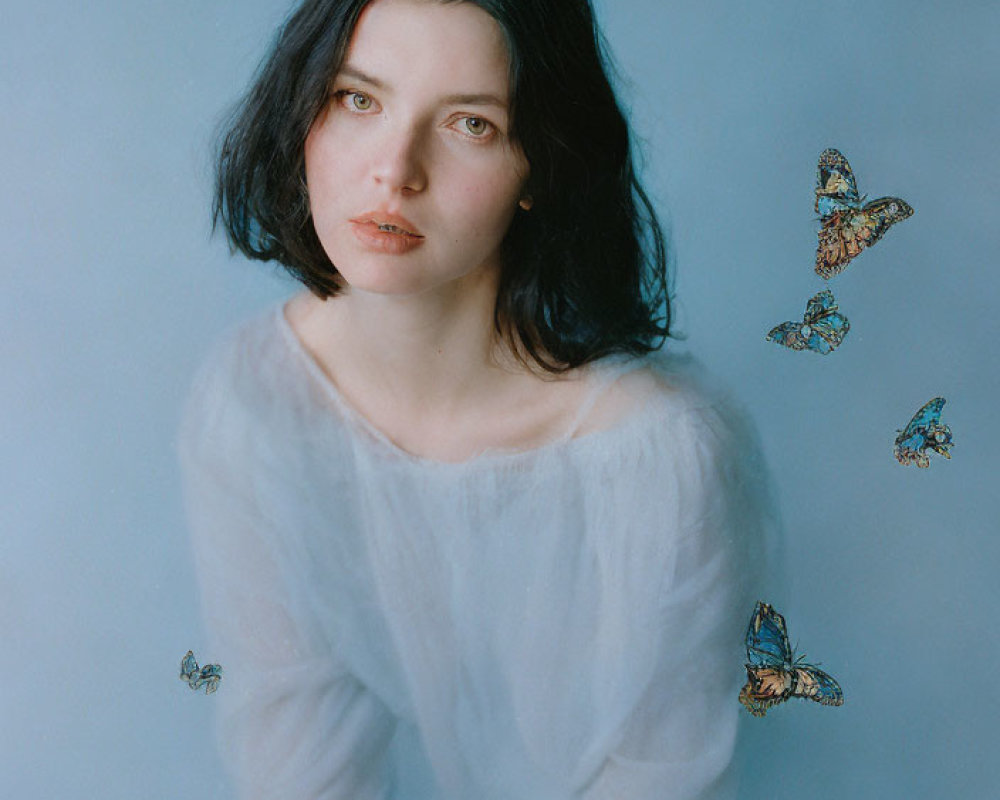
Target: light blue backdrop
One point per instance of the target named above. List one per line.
(111, 289)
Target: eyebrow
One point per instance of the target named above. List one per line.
(480, 99)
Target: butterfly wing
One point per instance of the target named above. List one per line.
(756, 707)
(827, 328)
(787, 334)
(814, 684)
(189, 668)
(912, 451)
(766, 639)
(929, 414)
(879, 215)
(836, 188)
(765, 688)
(838, 244)
(818, 305)
(829, 332)
(922, 431)
(210, 676)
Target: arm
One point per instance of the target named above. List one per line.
(292, 723)
(678, 741)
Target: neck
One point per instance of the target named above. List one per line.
(432, 354)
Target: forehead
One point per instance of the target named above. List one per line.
(428, 43)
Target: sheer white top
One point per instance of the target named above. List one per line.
(561, 622)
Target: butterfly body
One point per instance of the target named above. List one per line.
(207, 676)
(774, 674)
(822, 328)
(924, 432)
(850, 223)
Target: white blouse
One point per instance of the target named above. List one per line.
(554, 623)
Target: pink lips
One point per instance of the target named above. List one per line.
(387, 218)
(373, 231)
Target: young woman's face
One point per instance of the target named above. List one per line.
(415, 135)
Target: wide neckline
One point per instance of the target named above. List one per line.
(613, 367)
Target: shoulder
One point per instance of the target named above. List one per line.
(703, 454)
(682, 429)
(234, 388)
(674, 393)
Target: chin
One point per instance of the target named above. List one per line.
(384, 279)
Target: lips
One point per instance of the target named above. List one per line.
(387, 222)
(385, 233)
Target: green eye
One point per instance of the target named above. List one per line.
(476, 126)
(360, 101)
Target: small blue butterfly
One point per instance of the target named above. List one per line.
(774, 674)
(822, 329)
(849, 224)
(208, 676)
(924, 431)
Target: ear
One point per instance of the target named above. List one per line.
(526, 202)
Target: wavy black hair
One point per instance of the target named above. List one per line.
(584, 272)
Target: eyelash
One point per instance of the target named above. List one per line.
(491, 129)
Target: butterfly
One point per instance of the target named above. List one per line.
(822, 329)
(924, 431)
(849, 224)
(208, 676)
(773, 672)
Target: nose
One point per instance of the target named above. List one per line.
(400, 161)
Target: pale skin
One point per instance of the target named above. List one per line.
(410, 343)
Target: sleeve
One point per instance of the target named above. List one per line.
(291, 722)
(678, 740)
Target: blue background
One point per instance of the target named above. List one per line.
(111, 289)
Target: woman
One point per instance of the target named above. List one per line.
(458, 534)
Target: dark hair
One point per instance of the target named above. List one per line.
(584, 272)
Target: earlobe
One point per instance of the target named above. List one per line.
(526, 202)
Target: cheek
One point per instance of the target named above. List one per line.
(488, 204)
(327, 169)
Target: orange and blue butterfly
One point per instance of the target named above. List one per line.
(822, 329)
(922, 433)
(849, 224)
(774, 674)
(207, 676)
